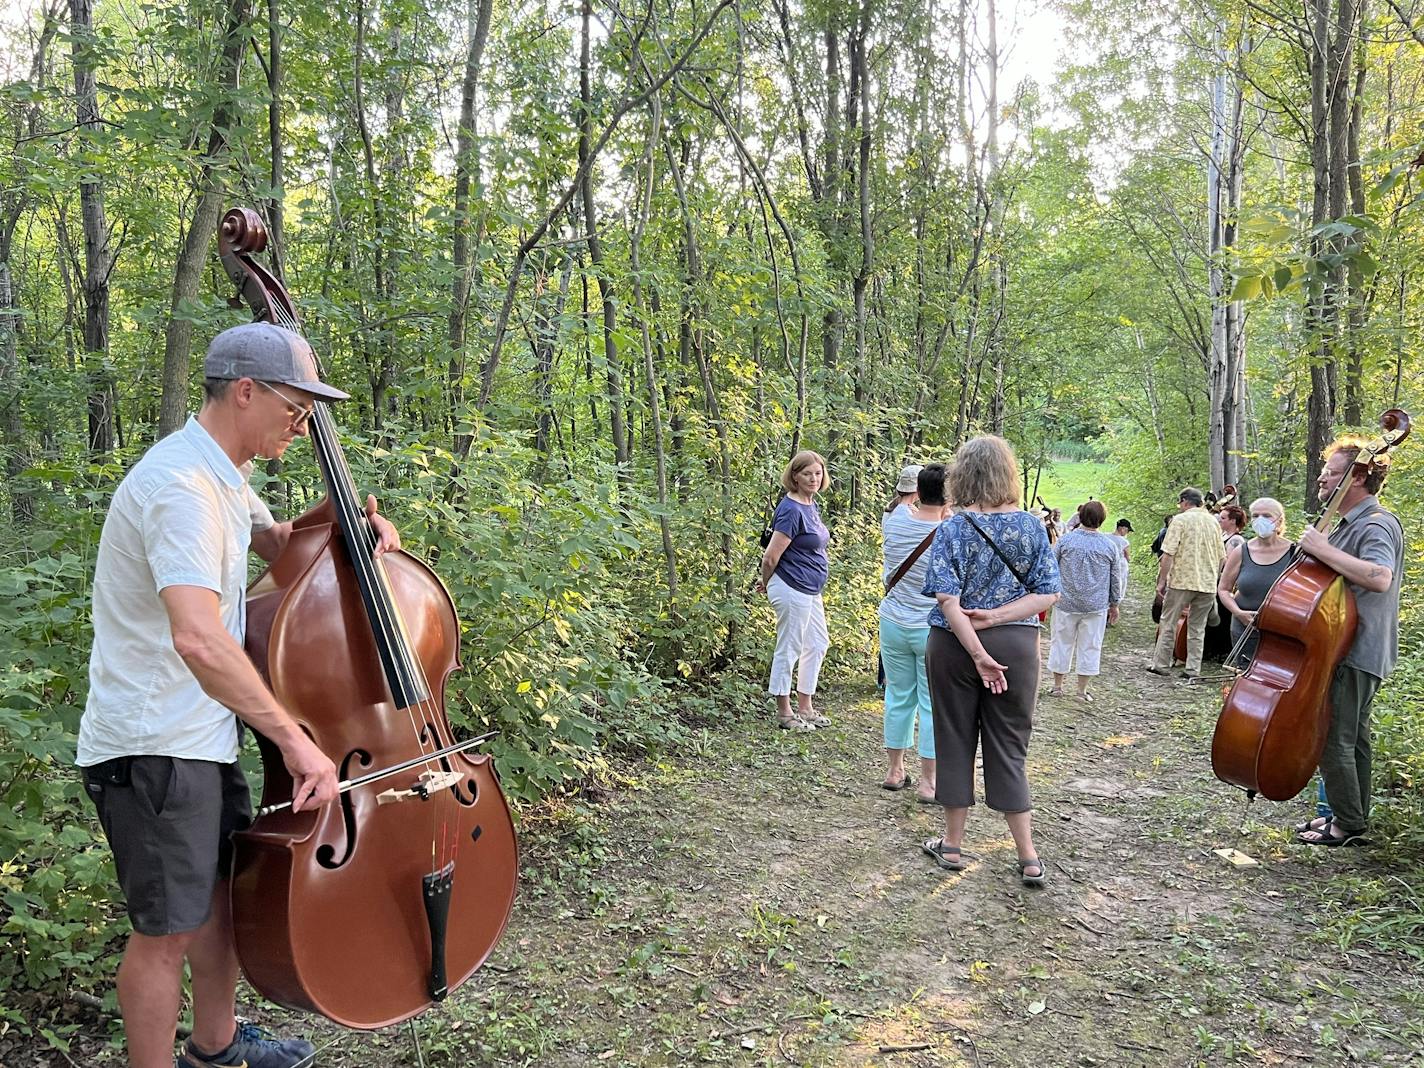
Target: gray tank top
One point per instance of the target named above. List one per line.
(1255, 580)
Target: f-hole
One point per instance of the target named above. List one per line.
(326, 854)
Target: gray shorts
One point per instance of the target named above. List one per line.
(169, 822)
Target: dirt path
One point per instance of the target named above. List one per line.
(761, 901)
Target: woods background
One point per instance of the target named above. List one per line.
(592, 273)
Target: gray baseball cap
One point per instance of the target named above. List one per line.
(269, 354)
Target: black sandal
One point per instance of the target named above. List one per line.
(1032, 880)
(948, 857)
(1328, 838)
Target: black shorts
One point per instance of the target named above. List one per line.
(169, 822)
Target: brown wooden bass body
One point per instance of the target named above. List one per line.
(375, 906)
(1272, 727)
(326, 904)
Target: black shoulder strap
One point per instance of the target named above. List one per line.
(997, 551)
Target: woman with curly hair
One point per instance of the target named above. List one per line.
(991, 572)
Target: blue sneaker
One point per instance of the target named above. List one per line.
(250, 1049)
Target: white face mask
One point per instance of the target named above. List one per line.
(1264, 526)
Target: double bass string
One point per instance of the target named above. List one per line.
(392, 628)
(388, 621)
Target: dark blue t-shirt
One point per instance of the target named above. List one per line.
(804, 565)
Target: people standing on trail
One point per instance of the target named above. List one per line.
(1161, 536)
(1186, 581)
(794, 569)
(1252, 569)
(1367, 549)
(991, 572)
(904, 628)
(1232, 520)
(906, 489)
(1091, 576)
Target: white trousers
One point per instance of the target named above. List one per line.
(1080, 632)
(801, 638)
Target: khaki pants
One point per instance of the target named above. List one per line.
(1172, 606)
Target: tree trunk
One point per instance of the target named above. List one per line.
(655, 417)
(478, 13)
(613, 368)
(98, 256)
(276, 226)
(1226, 375)
(1355, 316)
(178, 337)
(861, 67)
(12, 423)
(545, 345)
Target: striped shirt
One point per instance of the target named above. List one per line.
(905, 605)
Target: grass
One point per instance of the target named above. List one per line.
(1067, 484)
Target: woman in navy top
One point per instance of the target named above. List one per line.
(794, 569)
(982, 652)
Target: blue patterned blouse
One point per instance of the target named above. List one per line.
(963, 565)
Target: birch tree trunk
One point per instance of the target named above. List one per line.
(861, 66)
(1226, 373)
(650, 375)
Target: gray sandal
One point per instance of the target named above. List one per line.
(1032, 880)
(948, 857)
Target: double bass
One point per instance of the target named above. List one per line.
(376, 906)
(1272, 727)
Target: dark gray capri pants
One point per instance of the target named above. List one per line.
(169, 823)
(965, 712)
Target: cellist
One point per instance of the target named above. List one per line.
(1366, 548)
(169, 681)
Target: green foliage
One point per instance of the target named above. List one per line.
(56, 877)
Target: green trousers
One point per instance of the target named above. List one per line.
(1345, 763)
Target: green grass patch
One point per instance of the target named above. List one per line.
(1067, 484)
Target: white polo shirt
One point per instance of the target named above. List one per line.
(183, 516)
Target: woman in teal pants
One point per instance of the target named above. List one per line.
(904, 626)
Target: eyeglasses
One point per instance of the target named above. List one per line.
(295, 412)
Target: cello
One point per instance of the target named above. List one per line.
(376, 906)
(1272, 726)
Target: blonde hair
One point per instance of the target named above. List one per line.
(1273, 508)
(985, 473)
(802, 460)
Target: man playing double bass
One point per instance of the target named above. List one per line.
(1367, 550)
(168, 682)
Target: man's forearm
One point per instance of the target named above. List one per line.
(1363, 573)
(227, 676)
(1164, 571)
